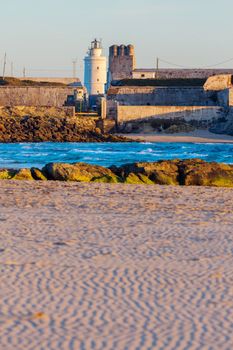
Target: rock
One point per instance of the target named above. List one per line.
(161, 173)
(138, 179)
(23, 174)
(133, 179)
(145, 179)
(7, 174)
(177, 128)
(21, 128)
(37, 174)
(80, 172)
(225, 124)
(196, 172)
(107, 179)
(2, 128)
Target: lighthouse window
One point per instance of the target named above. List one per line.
(98, 80)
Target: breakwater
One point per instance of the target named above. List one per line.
(193, 172)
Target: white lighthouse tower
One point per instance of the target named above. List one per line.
(95, 76)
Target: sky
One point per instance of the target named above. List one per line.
(45, 36)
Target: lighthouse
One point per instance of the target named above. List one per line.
(95, 72)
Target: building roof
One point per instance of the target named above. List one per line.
(194, 82)
(152, 70)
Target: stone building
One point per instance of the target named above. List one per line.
(145, 94)
(122, 65)
(121, 62)
(187, 100)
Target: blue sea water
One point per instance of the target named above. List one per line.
(21, 155)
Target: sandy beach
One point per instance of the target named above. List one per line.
(115, 267)
(200, 136)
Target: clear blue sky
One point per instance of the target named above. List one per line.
(49, 34)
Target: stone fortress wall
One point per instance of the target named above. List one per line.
(135, 100)
(230, 97)
(162, 96)
(34, 96)
(209, 103)
(136, 113)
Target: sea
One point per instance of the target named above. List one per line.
(26, 155)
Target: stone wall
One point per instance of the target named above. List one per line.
(111, 109)
(231, 97)
(162, 96)
(34, 96)
(223, 98)
(136, 113)
(120, 67)
(218, 82)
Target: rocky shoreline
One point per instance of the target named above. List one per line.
(54, 129)
(193, 172)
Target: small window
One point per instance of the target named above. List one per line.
(98, 80)
(142, 75)
(98, 68)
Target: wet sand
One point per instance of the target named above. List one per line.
(95, 266)
(199, 136)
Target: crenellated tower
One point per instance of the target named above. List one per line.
(121, 62)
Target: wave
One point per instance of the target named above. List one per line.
(107, 154)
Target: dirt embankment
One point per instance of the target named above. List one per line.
(9, 81)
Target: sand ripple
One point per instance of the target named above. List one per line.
(115, 267)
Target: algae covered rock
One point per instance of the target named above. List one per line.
(80, 172)
(38, 175)
(23, 174)
(7, 174)
(196, 172)
(161, 173)
(113, 179)
(133, 179)
(137, 179)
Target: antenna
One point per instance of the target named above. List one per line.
(12, 69)
(24, 72)
(157, 63)
(4, 67)
(74, 68)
